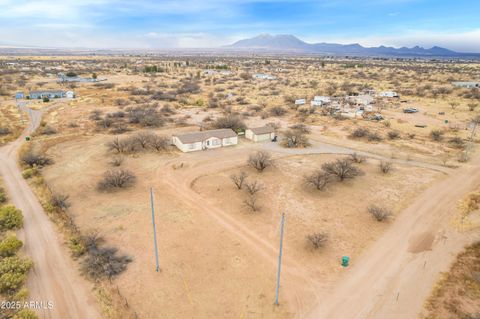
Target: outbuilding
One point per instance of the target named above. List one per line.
(70, 94)
(197, 141)
(300, 102)
(389, 94)
(19, 95)
(260, 134)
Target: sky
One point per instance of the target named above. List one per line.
(148, 24)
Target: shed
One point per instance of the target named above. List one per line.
(300, 102)
(196, 141)
(70, 94)
(260, 134)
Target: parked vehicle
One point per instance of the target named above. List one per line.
(410, 110)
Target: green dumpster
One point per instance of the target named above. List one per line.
(345, 261)
(27, 138)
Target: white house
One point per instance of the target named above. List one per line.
(466, 85)
(264, 76)
(389, 94)
(260, 134)
(300, 102)
(196, 141)
(70, 94)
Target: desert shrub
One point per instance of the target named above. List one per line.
(253, 188)
(359, 132)
(374, 137)
(32, 159)
(9, 246)
(379, 213)
(116, 179)
(317, 240)
(342, 169)
(159, 142)
(117, 161)
(318, 179)
(385, 166)
(48, 130)
(295, 139)
(230, 121)
(437, 135)
(238, 179)
(4, 131)
(29, 172)
(13, 273)
(3, 196)
(357, 158)
(301, 128)
(117, 145)
(278, 111)
(393, 135)
(457, 142)
(104, 262)
(260, 160)
(10, 218)
(60, 201)
(252, 202)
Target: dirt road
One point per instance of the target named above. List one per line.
(396, 275)
(54, 277)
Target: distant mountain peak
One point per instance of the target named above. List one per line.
(288, 42)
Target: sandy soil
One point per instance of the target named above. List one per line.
(211, 247)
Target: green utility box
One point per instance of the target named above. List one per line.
(345, 261)
(27, 138)
(446, 121)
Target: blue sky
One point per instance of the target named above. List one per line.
(194, 23)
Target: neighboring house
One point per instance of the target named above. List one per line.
(361, 99)
(264, 76)
(322, 100)
(300, 102)
(389, 94)
(19, 95)
(466, 85)
(49, 94)
(70, 94)
(260, 134)
(196, 141)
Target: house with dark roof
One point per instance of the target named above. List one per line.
(197, 141)
(260, 134)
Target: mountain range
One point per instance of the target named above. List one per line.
(290, 43)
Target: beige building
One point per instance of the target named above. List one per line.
(260, 134)
(197, 141)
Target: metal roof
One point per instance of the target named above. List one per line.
(262, 130)
(194, 137)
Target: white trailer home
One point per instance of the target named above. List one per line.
(197, 141)
(300, 102)
(260, 134)
(389, 94)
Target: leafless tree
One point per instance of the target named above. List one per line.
(295, 139)
(252, 203)
(116, 179)
(260, 160)
(60, 201)
(238, 179)
(342, 169)
(436, 135)
(318, 179)
(117, 145)
(159, 142)
(317, 240)
(253, 188)
(143, 139)
(379, 213)
(32, 159)
(385, 166)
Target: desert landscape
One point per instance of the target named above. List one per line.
(367, 158)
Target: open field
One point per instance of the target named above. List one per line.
(218, 255)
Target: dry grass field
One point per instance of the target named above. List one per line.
(217, 254)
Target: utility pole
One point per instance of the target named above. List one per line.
(282, 223)
(154, 231)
